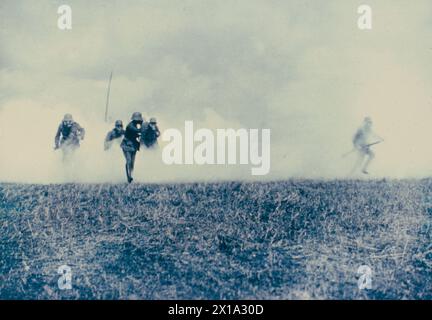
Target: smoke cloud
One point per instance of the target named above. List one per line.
(299, 68)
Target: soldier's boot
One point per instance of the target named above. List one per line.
(128, 174)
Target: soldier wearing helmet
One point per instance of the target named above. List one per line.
(131, 142)
(150, 134)
(114, 135)
(68, 137)
(362, 142)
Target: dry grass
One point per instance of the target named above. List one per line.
(284, 240)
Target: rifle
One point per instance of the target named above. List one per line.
(367, 146)
(107, 97)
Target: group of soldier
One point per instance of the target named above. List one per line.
(141, 133)
(137, 133)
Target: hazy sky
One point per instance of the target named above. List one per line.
(301, 68)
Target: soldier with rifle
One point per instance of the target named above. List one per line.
(362, 145)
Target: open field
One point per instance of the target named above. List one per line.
(280, 240)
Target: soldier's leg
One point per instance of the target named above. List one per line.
(370, 156)
(64, 155)
(132, 165)
(133, 154)
(67, 152)
(359, 161)
(128, 158)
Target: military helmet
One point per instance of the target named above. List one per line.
(137, 116)
(119, 123)
(67, 117)
(152, 120)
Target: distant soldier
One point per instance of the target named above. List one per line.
(68, 137)
(362, 142)
(114, 135)
(150, 134)
(131, 142)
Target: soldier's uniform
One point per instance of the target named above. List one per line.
(114, 135)
(150, 134)
(68, 137)
(131, 143)
(361, 141)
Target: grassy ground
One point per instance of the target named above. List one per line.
(282, 240)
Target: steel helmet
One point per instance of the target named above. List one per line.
(119, 123)
(152, 120)
(137, 116)
(67, 117)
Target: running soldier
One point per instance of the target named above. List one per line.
(114, 135)
(131, 143)
(68, 137)
(150, 134)
(362, 142)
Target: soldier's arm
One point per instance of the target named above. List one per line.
(377, 137)
(107, 141)
(108, 137)
(357, 139)
(135, 129)
(57, 138)
(81, 132)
